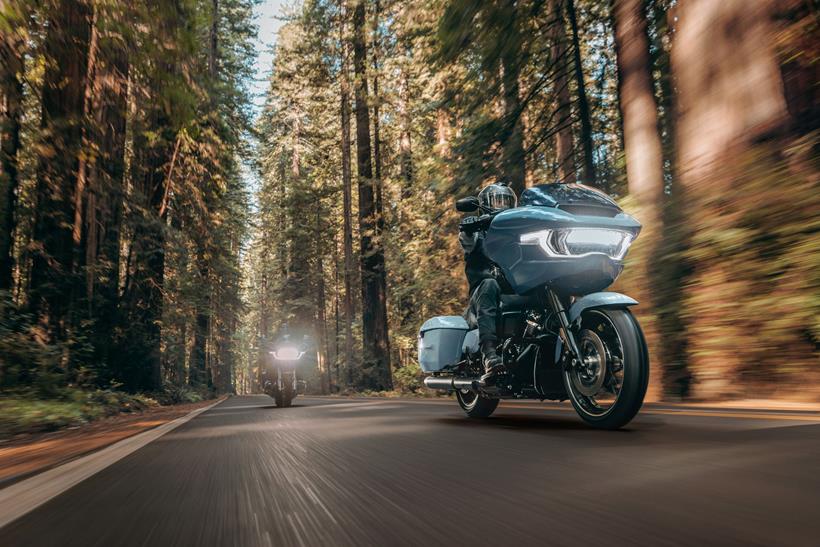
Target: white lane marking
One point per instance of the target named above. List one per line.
(25, 496)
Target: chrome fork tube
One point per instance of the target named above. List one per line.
(565, 332)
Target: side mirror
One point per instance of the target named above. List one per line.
(467, 205)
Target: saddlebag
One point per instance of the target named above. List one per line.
(440, 342)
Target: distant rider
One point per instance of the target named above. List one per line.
(485, 292)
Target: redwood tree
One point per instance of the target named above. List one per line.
(376, 358)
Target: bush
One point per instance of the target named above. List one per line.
(24, 412)
(174, 395)
(408, 379)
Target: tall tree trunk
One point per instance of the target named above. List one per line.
(83, 203)
(583, 103)
(11, 112)
(145, 294)
(643, 149)
(729, 101)
(347, 195)
(63, 98)
(406, 170)
(514, 159)
(198, 371)
(104, 204)
(377, 142)
(642, 143)
(376, 358)
(564, 149)
(157, 141)
(321, 312)
(336, 322)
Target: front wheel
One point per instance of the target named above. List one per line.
(607, 388)
(474, 405)
(283, 398)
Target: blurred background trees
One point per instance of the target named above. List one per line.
(133, 252)
(700, 117)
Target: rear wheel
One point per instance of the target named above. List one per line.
(474, 405)
(608, 388)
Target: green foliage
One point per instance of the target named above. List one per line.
(24, 412)
(409, 378)
(25, 361)
(180, 394)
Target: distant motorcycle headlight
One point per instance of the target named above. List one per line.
(287, 354)
(578, 242)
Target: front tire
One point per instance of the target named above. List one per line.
(476, 406)
(609, 392)
(283, 398)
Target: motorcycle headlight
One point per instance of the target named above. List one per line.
(578, 242)
(287, 354)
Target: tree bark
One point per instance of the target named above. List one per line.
(514, 159)
(83, 203)
(642, 142)
(198, 369)
(153, 164)
(321, 311)
(11, 113)
(644, 153)
(377, 143)
(564, 149)
(406, 170)
(347, 195)
(730, 107)
(104, 203)
(583, 104)
(376, 358)
(63, 98)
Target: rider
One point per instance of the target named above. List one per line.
(485, 292)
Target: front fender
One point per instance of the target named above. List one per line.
(592, 301)
(598, 300)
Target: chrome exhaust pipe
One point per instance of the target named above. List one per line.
(450, 384)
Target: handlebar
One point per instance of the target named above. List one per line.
(470, 225)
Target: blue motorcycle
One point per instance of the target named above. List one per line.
(560, 337)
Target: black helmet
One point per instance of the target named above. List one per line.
(497, 196)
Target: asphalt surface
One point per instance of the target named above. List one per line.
(387, 472)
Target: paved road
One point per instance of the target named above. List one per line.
(370, 472)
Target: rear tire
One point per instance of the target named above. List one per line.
(635, 364)
(476, 406)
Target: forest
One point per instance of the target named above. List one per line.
(156, 233)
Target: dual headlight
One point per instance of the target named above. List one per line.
(287, 353)
(578, 242)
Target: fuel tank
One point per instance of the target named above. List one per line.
(555, 209)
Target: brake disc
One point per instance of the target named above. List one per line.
(589, 375)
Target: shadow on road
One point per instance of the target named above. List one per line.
(551, 423)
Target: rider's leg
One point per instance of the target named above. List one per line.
(484, 305)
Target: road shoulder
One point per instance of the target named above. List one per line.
(26, 456)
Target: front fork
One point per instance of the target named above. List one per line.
(280, 379)
(570, 345)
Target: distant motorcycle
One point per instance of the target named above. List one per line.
(282, 383)
(559, 337)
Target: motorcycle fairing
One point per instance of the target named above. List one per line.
(527, 267)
